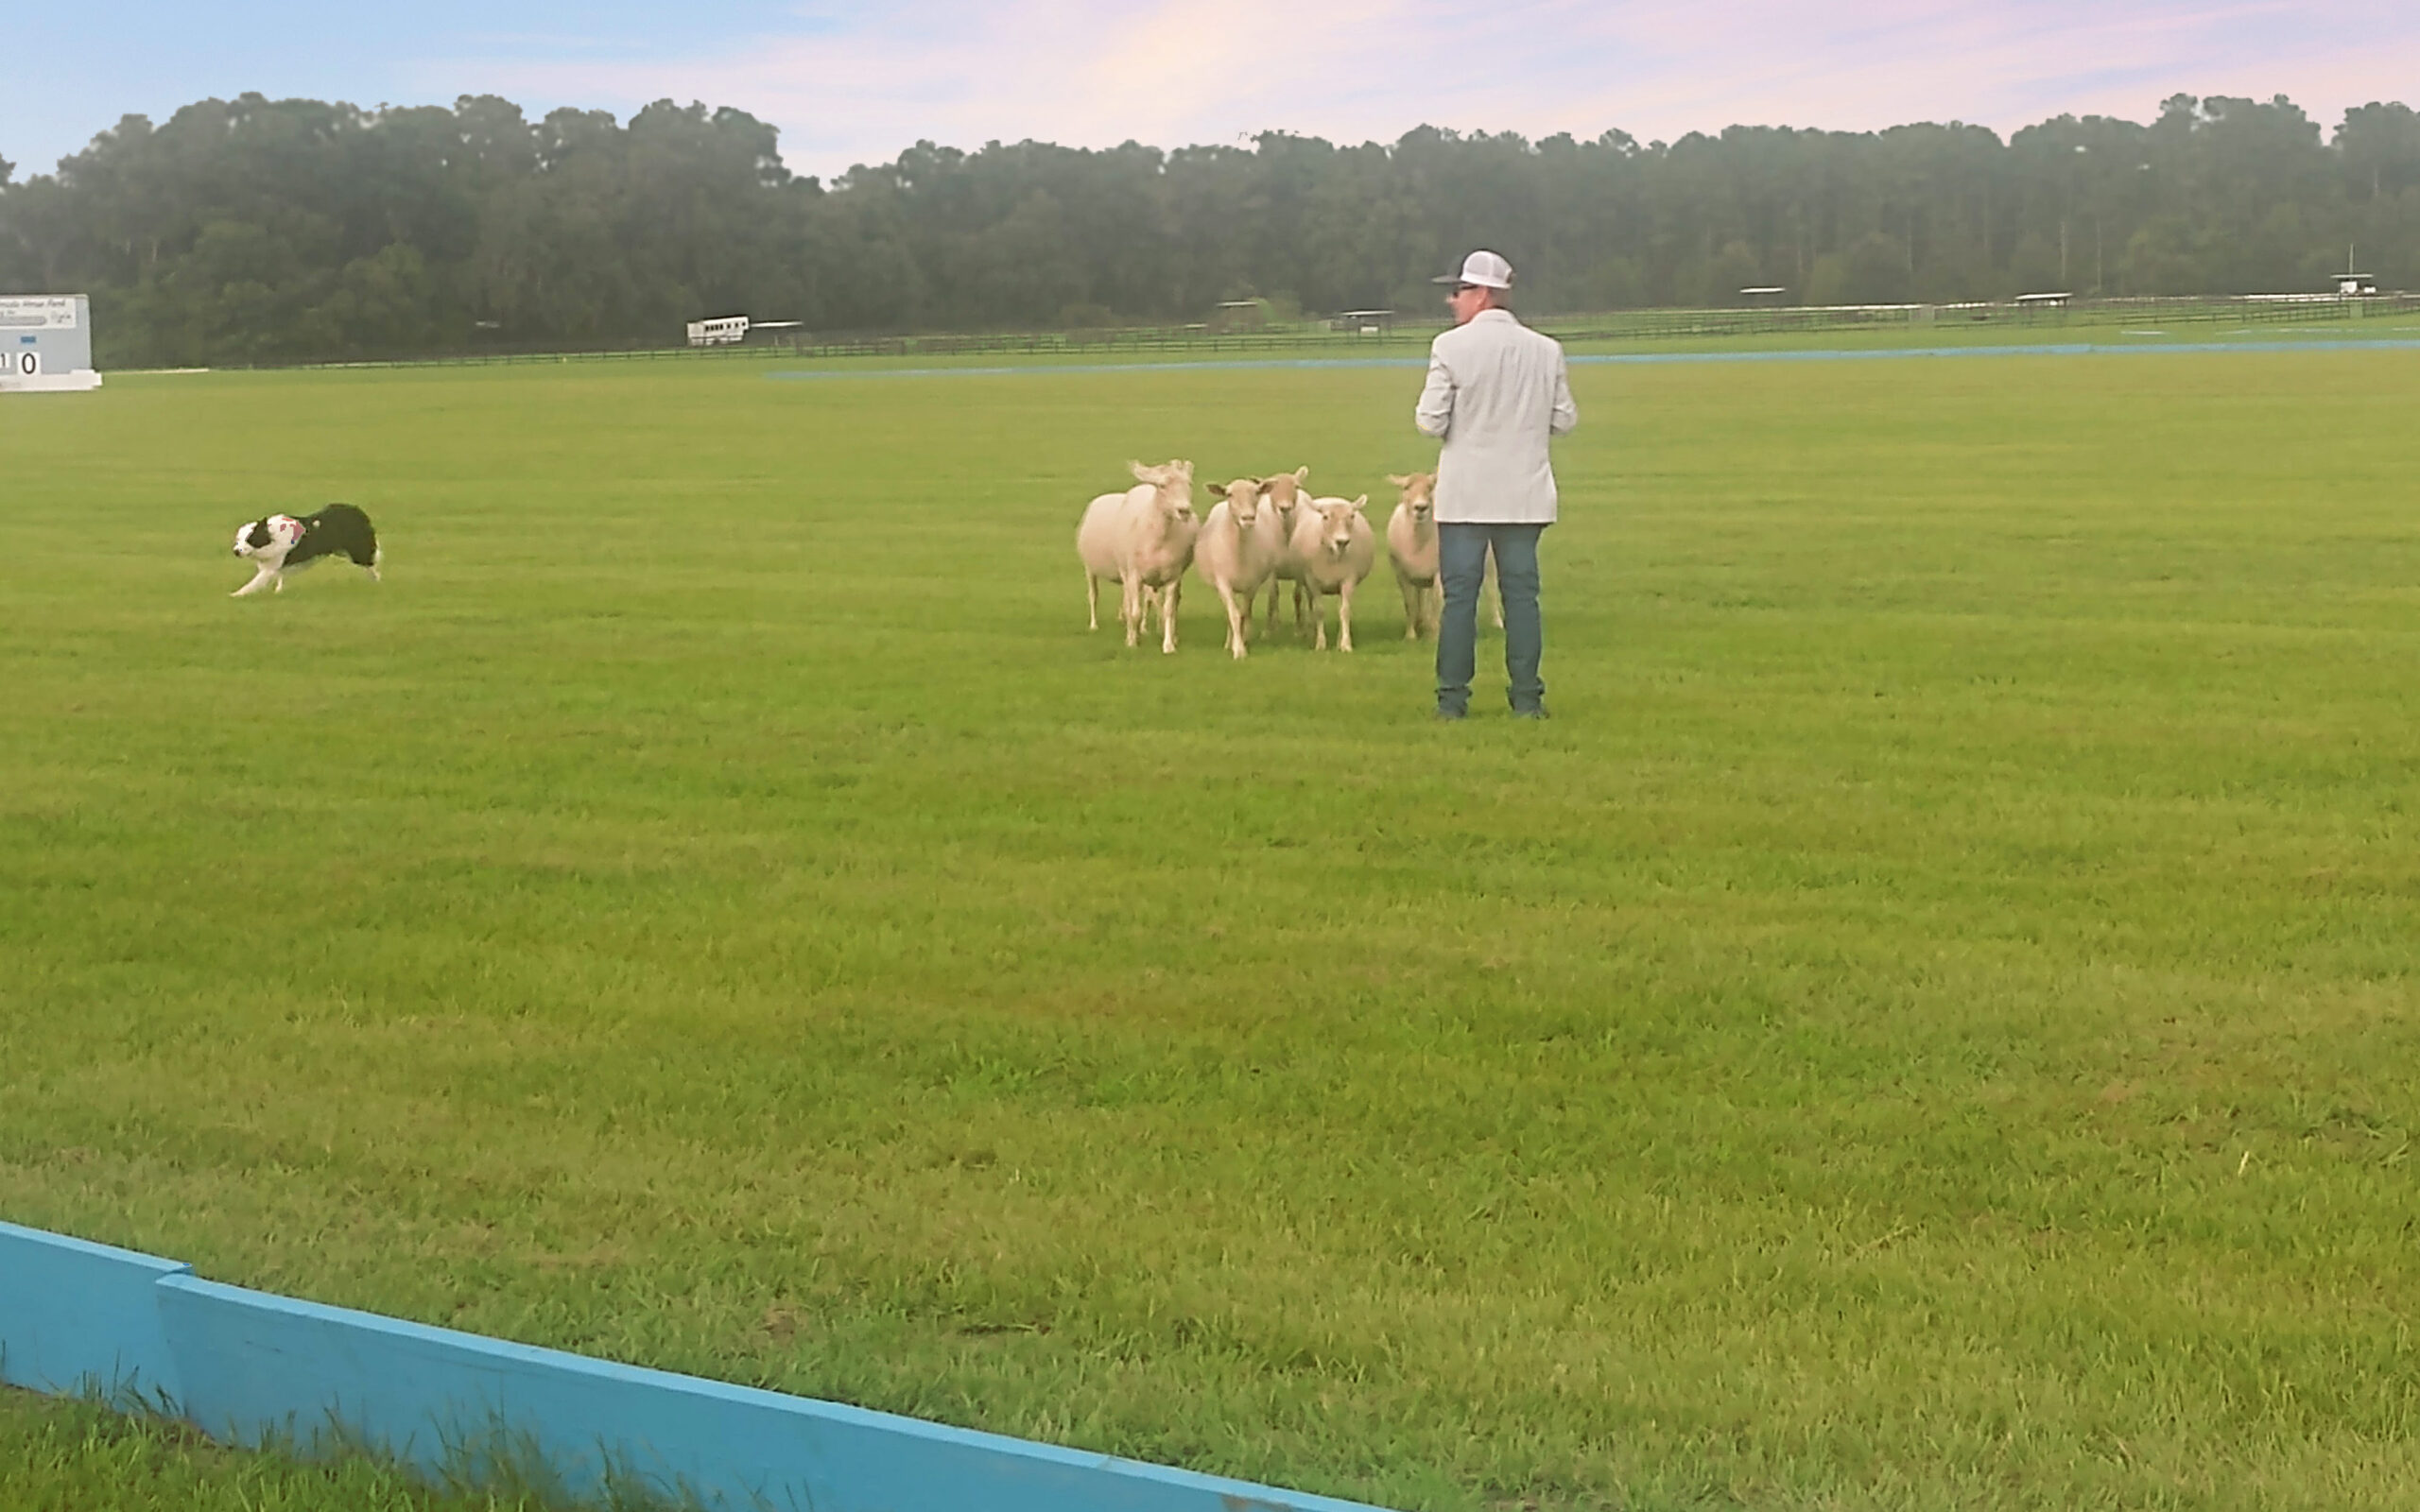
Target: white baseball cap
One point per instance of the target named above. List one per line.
(1485, 269)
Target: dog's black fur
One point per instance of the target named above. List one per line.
(339, 530)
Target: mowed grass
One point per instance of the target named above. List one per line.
(1929, 1024)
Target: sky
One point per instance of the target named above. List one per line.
(850, 83)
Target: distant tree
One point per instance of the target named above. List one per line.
(1735, 268)
(1880, 267)
(2378, 146)
(259, 229)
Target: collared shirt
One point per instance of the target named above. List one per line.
(1497, 390)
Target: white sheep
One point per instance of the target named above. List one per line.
(1144, 538)
(1240, 546)
(1336, 549)
(1411, 546)
(1286, 496)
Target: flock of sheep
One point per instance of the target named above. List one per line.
(1262, 533)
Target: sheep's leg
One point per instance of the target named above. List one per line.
(1236, 618)
(1129, 608)
(1306, 607)
(1169, 598)
(1414, 598)
(1318, 621)
(1435, 603)
(1344, 617)
(1092, 600)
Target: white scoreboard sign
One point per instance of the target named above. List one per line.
(46, 343)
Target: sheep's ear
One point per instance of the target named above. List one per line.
(1401, 480)
(1302, 473)
(1140, 471)
(1361, 502)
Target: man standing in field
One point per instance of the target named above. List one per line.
(1497, 391)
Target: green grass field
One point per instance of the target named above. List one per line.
(1928, 1024)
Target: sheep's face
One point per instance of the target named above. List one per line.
(1243, 501)
(1172, 486)
(1284, 491)
(1336, 517)
(1419, 492)
(1285, 494)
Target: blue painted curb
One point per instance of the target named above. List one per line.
(247, 1366)
(79, 1317)
(1046, 368)
(2065, 349)
(2055, 349)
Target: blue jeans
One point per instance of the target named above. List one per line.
(1462, 558)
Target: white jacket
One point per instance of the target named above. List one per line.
(1497, 390)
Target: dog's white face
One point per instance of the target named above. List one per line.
(267, 541)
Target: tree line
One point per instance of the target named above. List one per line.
(258, 230)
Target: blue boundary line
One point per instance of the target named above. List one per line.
(249, 1367)
(1038, 368)
(2069, 349)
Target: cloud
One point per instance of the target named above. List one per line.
(851, 83)
(859, 87)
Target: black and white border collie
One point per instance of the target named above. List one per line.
(284, 543)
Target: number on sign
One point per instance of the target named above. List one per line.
(28, 362)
